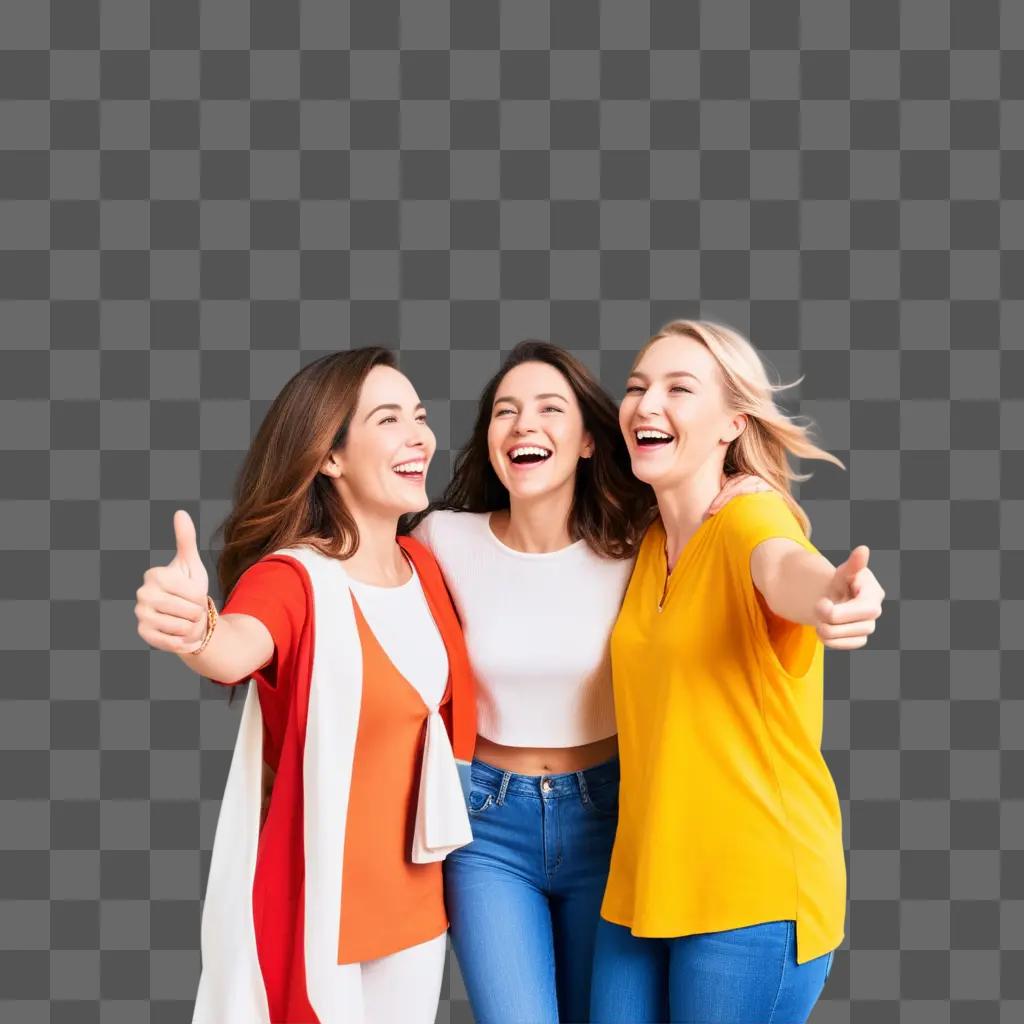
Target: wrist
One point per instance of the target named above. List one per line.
(211, 623)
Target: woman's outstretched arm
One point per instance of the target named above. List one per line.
(842, 603)
(171, 609)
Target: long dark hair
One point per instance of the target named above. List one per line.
(281, 498)
(610, 508)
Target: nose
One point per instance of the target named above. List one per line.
(649, 404)
(417, 436)
(523, 424)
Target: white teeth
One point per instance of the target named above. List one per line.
(655, 434)
(410, 467)
(528, 450)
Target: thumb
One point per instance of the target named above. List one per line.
(845, 573)
(823, 609)
(186, 556)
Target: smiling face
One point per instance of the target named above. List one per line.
(674, 416)
(382, 466)
(536, 434)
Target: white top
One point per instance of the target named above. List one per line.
(401, 621)
(404, 627)
(536, 628)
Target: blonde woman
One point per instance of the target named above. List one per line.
(726, 890)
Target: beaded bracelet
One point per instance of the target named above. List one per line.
(211, 621)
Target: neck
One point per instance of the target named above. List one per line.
(682, 505)
(539, 525)
(379, 559)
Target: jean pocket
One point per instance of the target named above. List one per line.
(603, 801)
(478, 801)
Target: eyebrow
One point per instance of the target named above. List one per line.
(515, 401)
(392, 406)
(675, 373)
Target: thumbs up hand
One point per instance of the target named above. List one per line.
(171, 603)
(852, 602)
(186, 556)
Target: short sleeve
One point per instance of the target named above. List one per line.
(750, 520)
(272, 591)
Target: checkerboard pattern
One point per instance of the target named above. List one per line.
(198, 198)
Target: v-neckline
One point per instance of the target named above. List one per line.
(667, 575)
(384, 651)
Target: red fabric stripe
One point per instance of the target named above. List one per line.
(463, 706)
(278, 896)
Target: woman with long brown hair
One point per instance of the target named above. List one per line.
(329, 907)
(535, 536)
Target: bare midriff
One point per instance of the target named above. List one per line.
(545, 760)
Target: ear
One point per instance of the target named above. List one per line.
(736, 427)
(587, 450)
(331, 466)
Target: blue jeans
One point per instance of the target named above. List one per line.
(741, 976)
(524, 897)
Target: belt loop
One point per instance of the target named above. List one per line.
(505, 779)
(581, 778)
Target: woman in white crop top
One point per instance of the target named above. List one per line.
(535, 536)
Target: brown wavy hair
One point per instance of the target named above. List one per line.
(610, 508)
(281, 498)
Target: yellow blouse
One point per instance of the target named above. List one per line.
(728, 815)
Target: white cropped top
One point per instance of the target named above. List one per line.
(536, 628)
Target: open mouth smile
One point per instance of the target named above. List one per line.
(649, 438)
(414, 470)
(528, 455)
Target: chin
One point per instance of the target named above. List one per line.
(644, 473)
(533, 490)
(419, 506)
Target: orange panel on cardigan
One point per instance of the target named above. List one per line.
(391, 903)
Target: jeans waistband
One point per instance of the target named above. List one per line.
(559, 784)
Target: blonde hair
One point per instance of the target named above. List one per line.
(770, 436)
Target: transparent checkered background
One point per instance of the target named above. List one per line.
(196, 199)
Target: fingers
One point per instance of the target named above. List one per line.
(847, 572)
(741, 483)
(860, 608)
(161, 580)
(858, 559)
(171, 610)
(179, 608)
(846, 643)
(865, 583)
(165, 642)
(169, 625)
(860, 628)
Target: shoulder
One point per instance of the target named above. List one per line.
(756, 507)
(749, 519)
(278, 570)
(653, 541)
(417, 548)
(277, 591)
(605, 566)
(442, 527)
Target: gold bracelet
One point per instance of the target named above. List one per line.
(211, 621)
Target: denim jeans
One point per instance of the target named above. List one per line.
(741, 976)
(524, 897)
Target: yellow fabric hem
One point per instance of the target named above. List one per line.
(668, 932)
